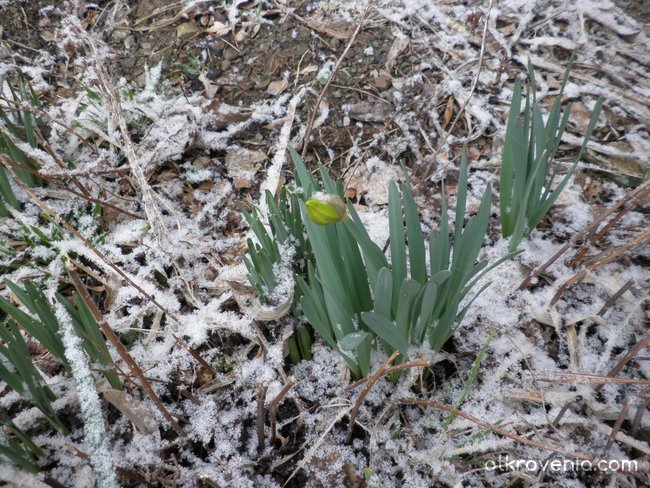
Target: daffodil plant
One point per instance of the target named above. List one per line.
(350, 292)
(418, 299)
(526, 189)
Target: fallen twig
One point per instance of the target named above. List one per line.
(640, 411)
(588, 379)
(643, 343)
(392, 369)
(633, 197)
(427, 172)
(310, 124)
(577, 278)
(494, 428)
(615, 429)
(365, 391)
(614, 298)
(609, 256)
(568, 405)
(121, 350)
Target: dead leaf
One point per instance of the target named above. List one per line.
(133, 409)
(372, 183)
(331, 136)
(341, 30)
(268, 313)
(243, 163)
(312, 68)
(449, 111)
(370, 111)
(591, 189)
(186, 29)
(277, 87)
(398, 83)
(241, 35)
(209, 87)
(203, 377)
(383, 79)
(580, 116)
(323, 111)
(242, 183)
(400, 43)
(223, 119)
(218, 28)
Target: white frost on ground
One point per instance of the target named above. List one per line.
(96, 439)
(411, 446)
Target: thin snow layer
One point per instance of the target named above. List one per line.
(524, 337)
(96, 439)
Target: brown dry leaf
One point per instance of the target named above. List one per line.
(591, 188)
(203, 377)
(242, 183)
(352, 478)
(186, 29)
(340, 30)
(619, 156)
(312, 68)
(372, 184)
(133, 409)
(449, 111)
(240, 35)
(382, 79)
(209, 87)
(580, 116)
(218, 28)
(243, 163)
(277, 87)
(370, 111)
(341, 136)
(400, 43)
(267, 313)
(223, 120)
(202, 162)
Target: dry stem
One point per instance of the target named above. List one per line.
(494, 428)
(365, 391)
(310, 125)
(121, 350)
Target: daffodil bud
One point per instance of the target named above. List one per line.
(326, 208)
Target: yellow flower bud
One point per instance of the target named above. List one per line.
(326, 208)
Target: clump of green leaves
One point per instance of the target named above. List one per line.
(284, 232)
(336, 289)
(17, 446)
(43, 326)
(285, 226)
(416, 299)
(18, 125)
(20, 373)
(526, 188)
(348, 290)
